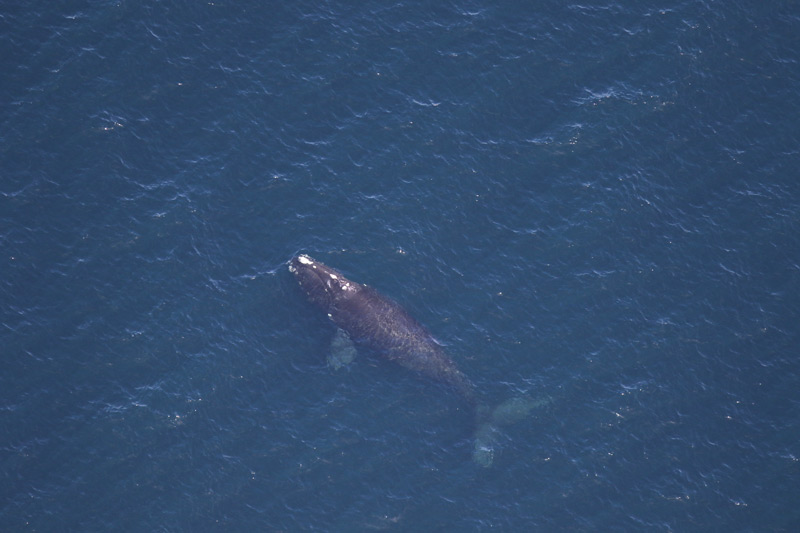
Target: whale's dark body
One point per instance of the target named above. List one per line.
(378, 323)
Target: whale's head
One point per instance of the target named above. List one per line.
(323, 284)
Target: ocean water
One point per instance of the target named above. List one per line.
(592, 205)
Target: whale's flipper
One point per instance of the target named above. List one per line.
(509, 412)
(343, 350)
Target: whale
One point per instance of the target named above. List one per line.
(380, 324)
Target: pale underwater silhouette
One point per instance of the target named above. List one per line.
(509, 412)
(343, 350)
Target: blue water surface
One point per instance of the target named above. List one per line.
(592, 205)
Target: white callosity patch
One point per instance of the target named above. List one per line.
(344, 284)
(305, 260)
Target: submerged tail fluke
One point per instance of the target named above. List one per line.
(489, 421)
